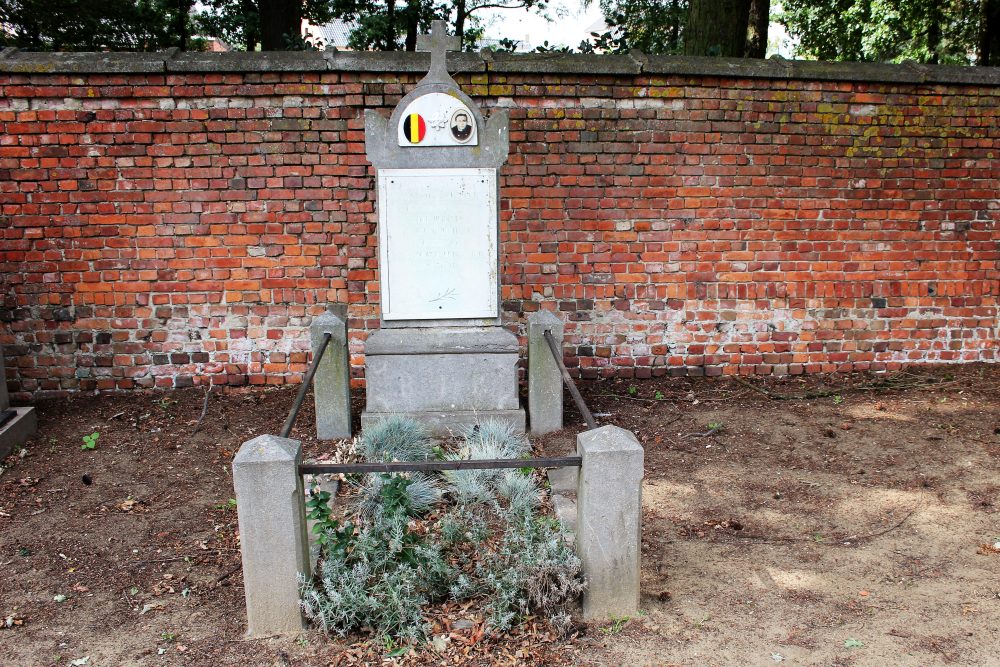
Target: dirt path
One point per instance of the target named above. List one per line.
(841, 530)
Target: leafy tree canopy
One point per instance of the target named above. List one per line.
(69, 25)
(927, 31)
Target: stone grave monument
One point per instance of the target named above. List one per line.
(440, 355)
(16, 424)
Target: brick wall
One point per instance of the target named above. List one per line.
(169, 220)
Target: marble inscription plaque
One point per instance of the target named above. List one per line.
(438, 243)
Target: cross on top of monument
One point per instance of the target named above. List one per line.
(439, 42)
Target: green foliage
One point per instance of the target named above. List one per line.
(90, 441)
(94, 25)
(395, 438)
(331, 536)
(382, 579)
(412, 495)
(229, 505)
(617, 625)
(486, 542)
(533, 571)
(927, 31)
(652, 26)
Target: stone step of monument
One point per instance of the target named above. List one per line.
(562, 484)
(565, 508)
(563, 480)
(18, 428)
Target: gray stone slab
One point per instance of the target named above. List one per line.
(433, 382)
(4, 396)
(27, 62)
(270, 505)
(440, 370)
(576, 63)
(17, 430)
(609, 513)
(447, 424)
(36, 62)
(431, 340)
(563, 481)
(566, 512)
(332, 383)
(399, 61)
(256, 61)
(545, 394)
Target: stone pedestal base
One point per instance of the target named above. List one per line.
(17, 430)
(444, 377)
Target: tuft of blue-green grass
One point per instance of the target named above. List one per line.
(395, 438)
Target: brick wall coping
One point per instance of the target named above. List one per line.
(15, 61)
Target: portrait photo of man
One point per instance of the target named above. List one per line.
(461, 128)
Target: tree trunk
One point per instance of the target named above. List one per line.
(251, 27)
(934, 33)
(412, 24)
(989, 34)
(716, 28)
(460, 20)
(280, 20)
(759, 18)
(389, 38)
(675, 25)
(180, 27)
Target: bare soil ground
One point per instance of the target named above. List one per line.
(850, 525)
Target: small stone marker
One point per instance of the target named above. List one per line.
(609, 515)
(332, 383)
(16, 424)
(273, 540)
(441, 355)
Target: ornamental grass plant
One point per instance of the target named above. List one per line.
(416, 539)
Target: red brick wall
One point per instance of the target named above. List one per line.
(169, 229)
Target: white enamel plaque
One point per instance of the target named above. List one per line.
(437, 119)
(438, 243)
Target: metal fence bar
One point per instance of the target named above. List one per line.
(568, 381)
(413, 466)
(294, 412)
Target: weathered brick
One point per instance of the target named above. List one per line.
(680, 227)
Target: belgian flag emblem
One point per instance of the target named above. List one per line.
(414, 128)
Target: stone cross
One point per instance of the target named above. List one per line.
(439, 42)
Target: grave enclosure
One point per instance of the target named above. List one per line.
(441, 358)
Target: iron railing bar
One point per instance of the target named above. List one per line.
(568, 381)
(290, 421)
(415, 466)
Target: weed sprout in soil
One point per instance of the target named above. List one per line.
(416, 539)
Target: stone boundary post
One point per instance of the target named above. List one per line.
(609, 513)
(545, 394)
(271, 508)
(332, 383)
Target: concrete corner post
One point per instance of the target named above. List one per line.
(609, 512)
(545, 395)
(271, 507)
(332, 383)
